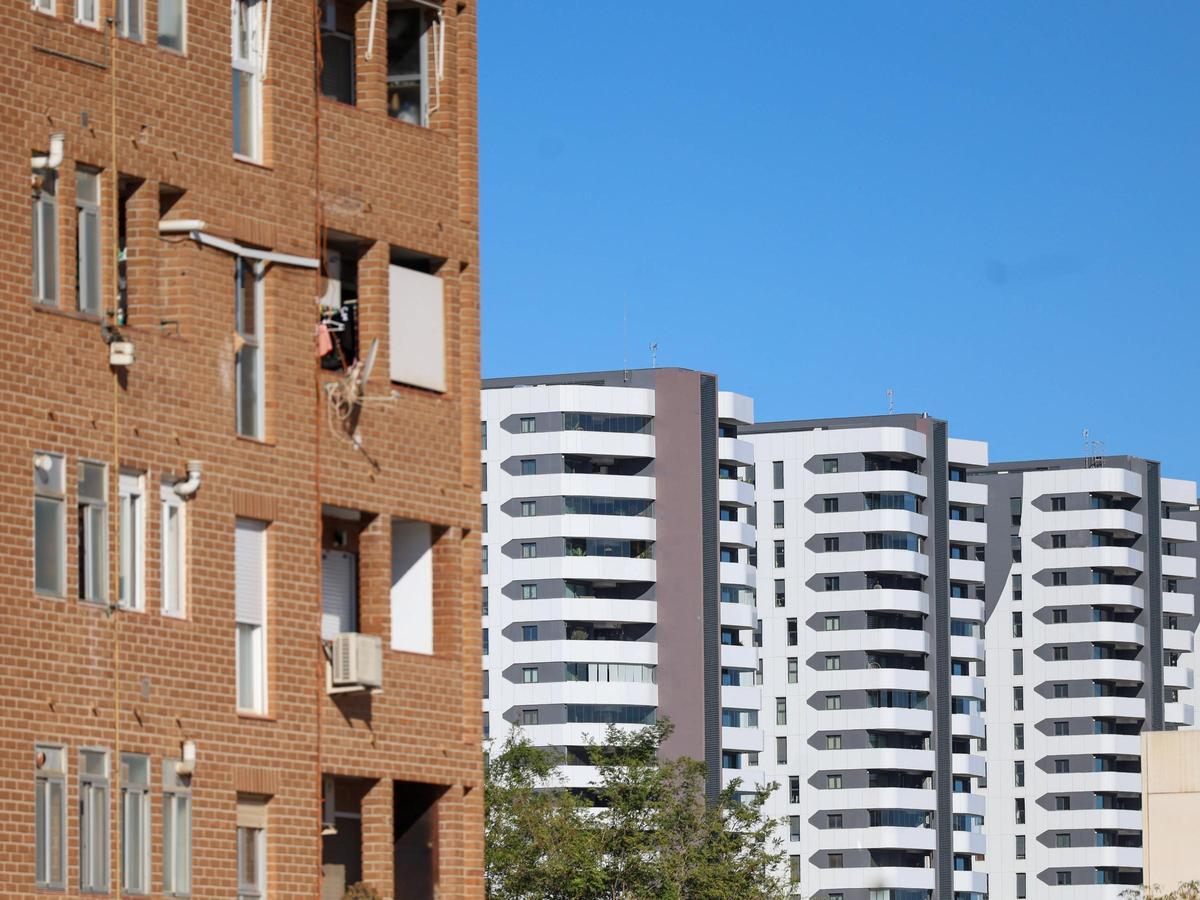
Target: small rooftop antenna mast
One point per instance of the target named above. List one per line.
(891, 399)
(1093, 457)
(654, 354)
(626, 374)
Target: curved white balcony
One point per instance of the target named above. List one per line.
(900, 639)
(735, 407)
(969, 764)
(734, 492)
(749, 776)
(1178, 639)
(1120, 707)
(878, 798)
(886, 758)
(1178, 567)
(967, 570)
(534, 398)
(968, 686)
(570, 484)
(635, 528)
(552, 692)
(1108, 669)
(738, 573)
(1127, 633)
(875, 718)
(742, 739)
(736, 696)
(738, 615)
(1178, 490)
(584, 609)
(1179, 604)
(967, 608)
(583, 443)
(1086, 857)
(735, 451)
(1125, 559)
(1121, 520)
(966, 452)
(879, 838)
(1123, 782)
(873, 599)
(972, 493)
(1088, 819)
(1178, 530)
(878, 482)
(861, 520)
(966, 532)
(1179, 677)
(963, 647)
(1101, 481)
(868, 680)
(970, 842)
(570, 734)
(975, 804)
(971, 882)
(739, 534)
(874, 877)
(735, 657)
(902, 561)
(607, 568)
(1087, 744)
(1180, 714)
(1090, 595)
(1089, 891)
(584, 651)
(964, 725)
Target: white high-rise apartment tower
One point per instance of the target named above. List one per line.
(871, 545)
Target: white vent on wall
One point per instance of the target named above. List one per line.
(357, 662)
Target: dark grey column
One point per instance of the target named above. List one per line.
(940, 622)
(1156, 714)
(710, 538)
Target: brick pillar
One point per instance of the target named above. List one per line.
(371, 74)
(141, 252)
(378, 852)
(375, 578)
(373, 309)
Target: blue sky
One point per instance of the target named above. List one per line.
(992, 209)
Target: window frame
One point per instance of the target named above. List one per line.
(49, 493)
(332, 32)
(250, 65)
(92, 522)
(252, 826)
(423, 23)
(123, 20)
(135, 856)
(46, 276)
(44, 843)
(89, 270)
(94, 849)
(131, 577)
(172, 591)
(176, 841)
(256, 646)
(254, 339)
(183, 28)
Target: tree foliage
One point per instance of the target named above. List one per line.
(1188, 890)
(649, 834)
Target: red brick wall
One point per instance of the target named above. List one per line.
(66, 661)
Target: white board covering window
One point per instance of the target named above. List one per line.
(417, 328)
(250, 600)
(339, 593)
(412, 587)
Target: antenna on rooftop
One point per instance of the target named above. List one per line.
(1093, 456)
(654, 354)
(891, 399)
(626, 374)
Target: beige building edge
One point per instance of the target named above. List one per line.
(1170, 806)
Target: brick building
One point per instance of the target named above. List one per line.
(210, 548)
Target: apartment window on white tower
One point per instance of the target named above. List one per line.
(87, 240)
(777, 474)
(49, 524)
(173, 556)
(250, 576)
(779, 513)
(132, 537)
(93, 820)
(248, 315)
(50, 816)
(93, 532)
(247, 57)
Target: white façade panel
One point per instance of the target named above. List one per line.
(417, 328)
(412, 587)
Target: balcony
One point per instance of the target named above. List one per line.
(1183, 714)
(740, 574)
(969, 493)
(967, 570)
(737, 534)
(735, 451)
(742, 739)
(869, 600)
(735, 493)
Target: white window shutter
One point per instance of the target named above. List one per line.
(339, 594)
(412, 587)
(250, 571)
(417, 328)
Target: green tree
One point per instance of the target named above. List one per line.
(1188, 890)
(652, 833)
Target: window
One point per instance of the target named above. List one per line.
(93, 532)
(833, 820)
(1058, 504)
(833, 742)
(1058, 579)
(174, 580)
(793, 789)
(528, 425)
(1059, 616)
(833, 701)
(833, 623)
(177, 831)
(778, 513)
(529, 550)
(1172, 586)
(484, 560)
(247, 78)
(485, 642)
(1019, 774)
(1014, 505)
(833, 782)
(1058, 541)
(794, 868)
(1018, 698)
(835, 861)
(777, 474)
(528, 508)
(832, 544)
(172, 20)
(1062, 728)
(1017, 625)
(1020, 846)
(529, 592)
(406, 64)
(793, 670)
(529, 675)
(1018, 662)
(1021, 889)
(50, 815)
(1062, 802)
(135, 823)
(1020, 811)
(529, 632)
(529, 717)
(833, 583)
(780, 592)
(87, 237)
(529, 467)
(132, 536)
(1016, 587)
(49, 524)
(1060, 691)
(45, 235)
(251, 846)
(250, 600)
(1062, 766)
(829, 466)
(833, 662)
(792, 635)
(337, 51)
(248, 316)
(830, 504)
(1060, 654)
(130, 19)
(1062, 878)
(93, 820)
(781, 750)
(781, 710)
(779, 557)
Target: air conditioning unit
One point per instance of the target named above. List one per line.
(357, 662)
